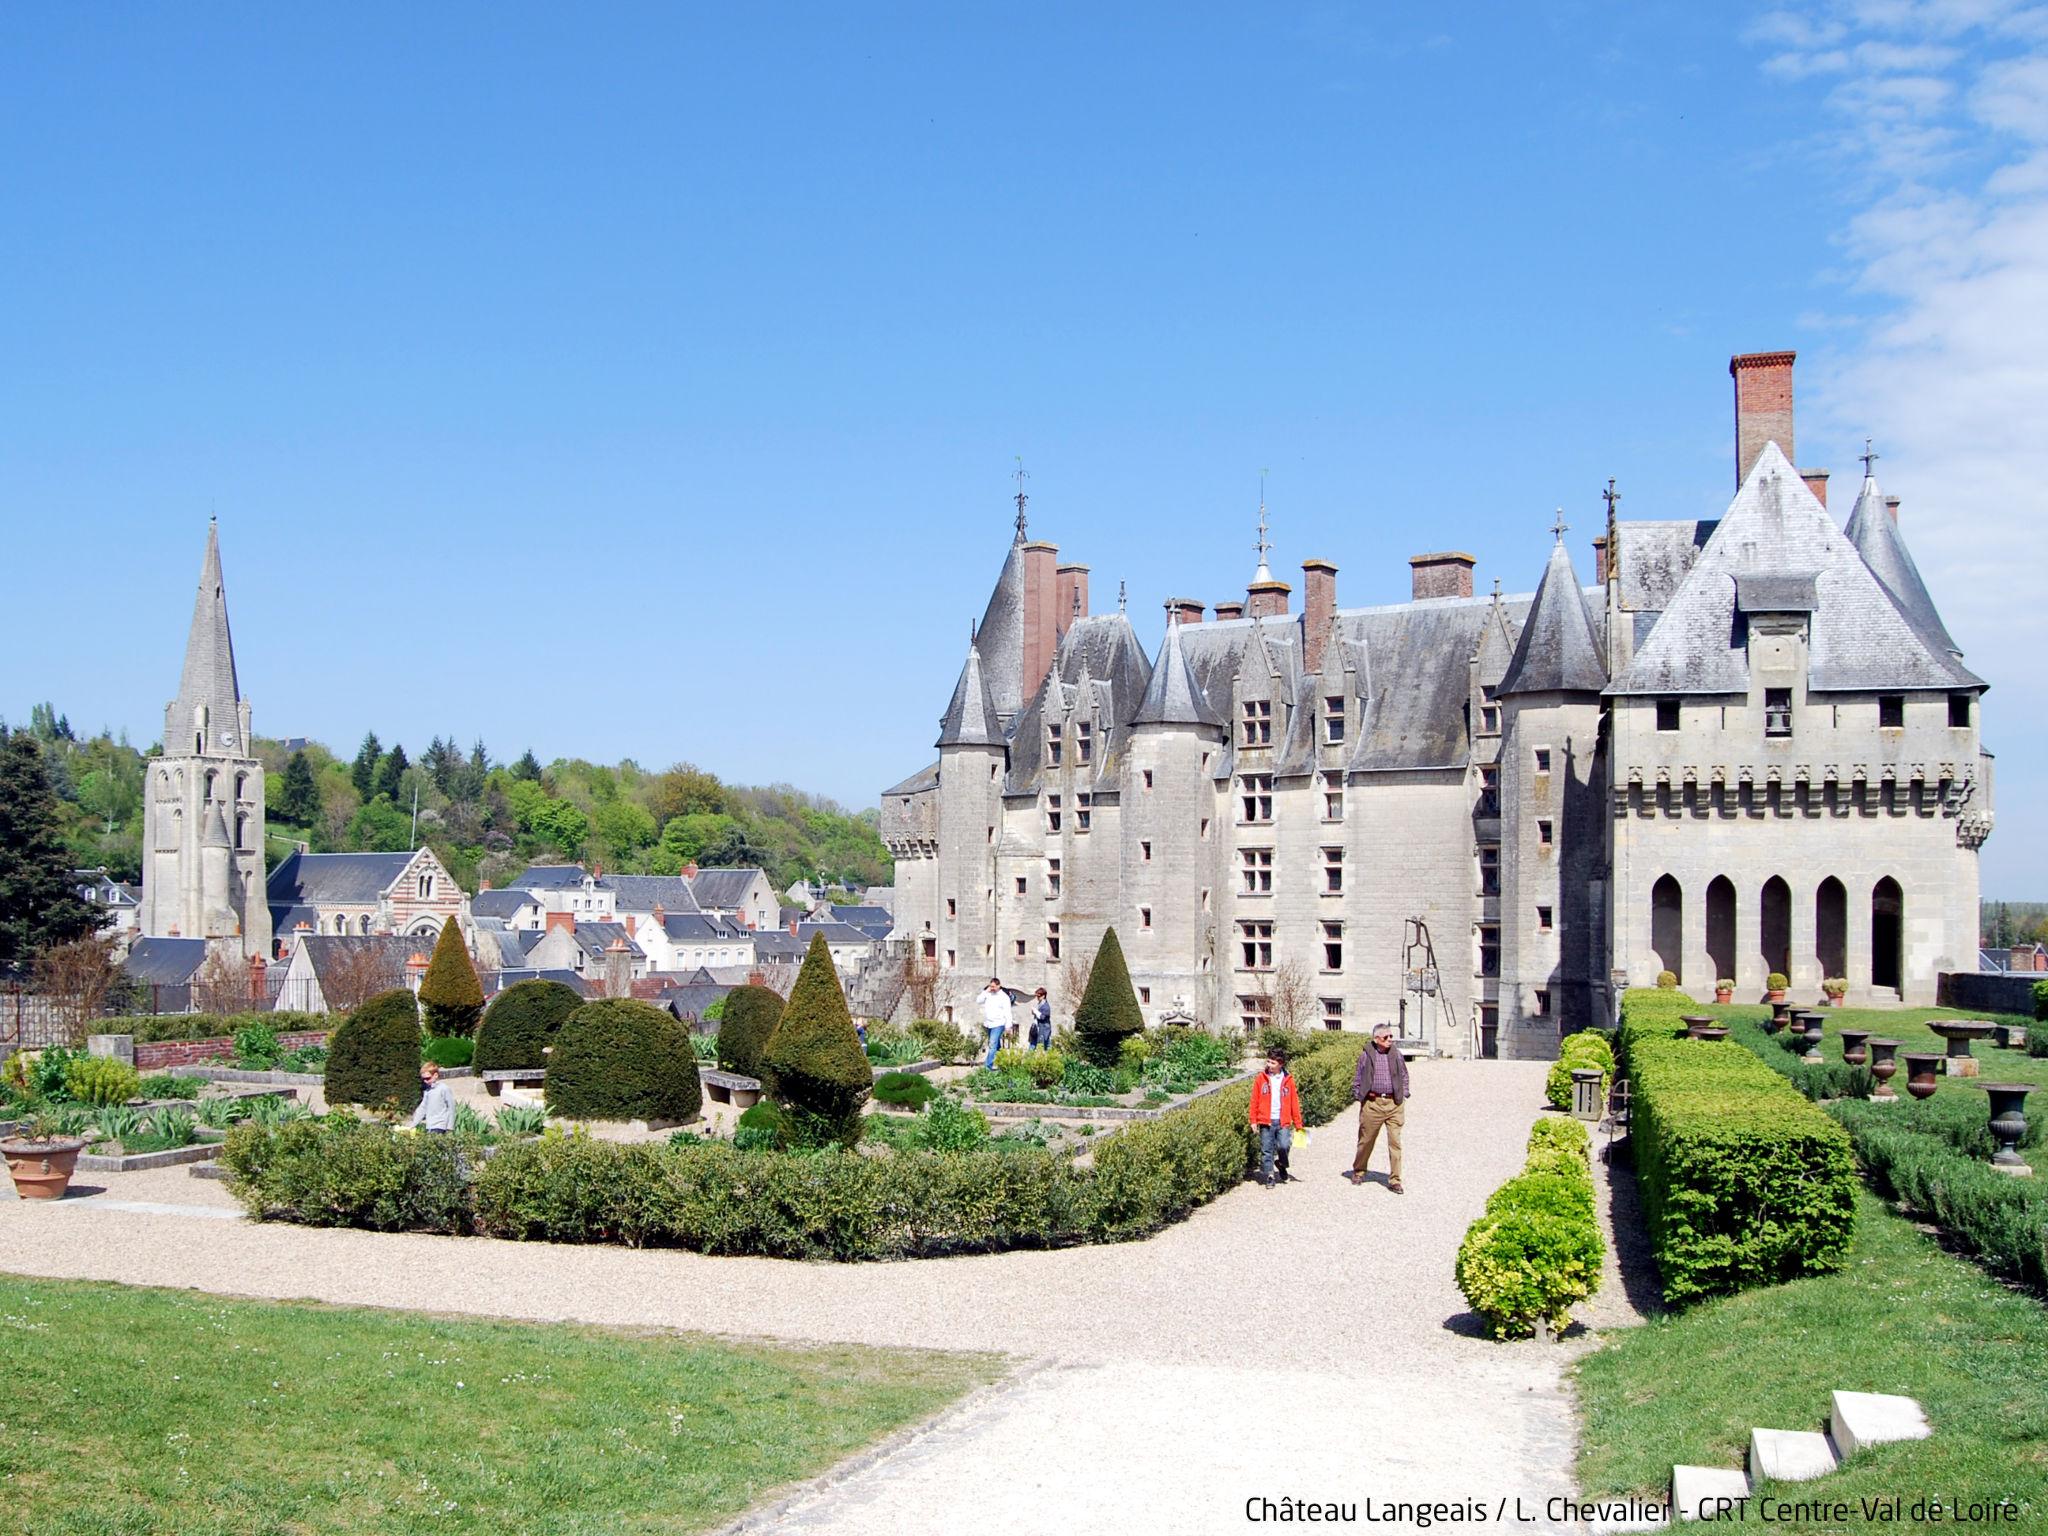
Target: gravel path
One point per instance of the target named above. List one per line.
(1307, 1341)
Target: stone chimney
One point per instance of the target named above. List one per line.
(258, 969)
(1600, 559)
(1816, 482)
(1184, 609)
(1763, 406)
(1042, 618)
(1267, 599)
(1231, 609)
(1318, 610)
(1070, 596)
(1891, 505)
(1448, 573)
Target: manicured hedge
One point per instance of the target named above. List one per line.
(1536, 1250)
(621, 1059)
(521, 1023)
(1587, 1048)
(148, 1029)
(373, 1059)
(339, 1171)
(1744, 1182)
(1815, 1079)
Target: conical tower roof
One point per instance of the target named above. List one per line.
(1557, 652)
(1878, 540)
(1173, 697)
(971, 719)
(208, 682)
(1001, 631)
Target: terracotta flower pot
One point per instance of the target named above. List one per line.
(41, 1169)
(1921, 1068)
(2008, 1123)
(1724, 995)
(1854, 1042)
(1775, 995)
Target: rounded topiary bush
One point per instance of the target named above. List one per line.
(520, 1023)
(1108, 1013)
(905, 1090)
(1565, 1135)
(449, 1050)
(1667, 981)
(748, 1018)
(373, 1059)
(622, 1059)
(1580, 1050)
(760, 1128)
(813, 1064)
(1525, 1266)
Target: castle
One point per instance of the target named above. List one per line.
(1749, 746)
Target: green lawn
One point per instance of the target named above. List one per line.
(135, 1412)
(1909, 1027)
(1903, 1317)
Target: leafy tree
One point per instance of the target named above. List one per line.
(451, 996)
(685, 790)
(373, 1059)
(813, 1063)
(391, 774)
(1108, 1013)
(561, 824)
(621, 827)
(299, 801)
(379, 827)
(363, 774)
(38, 906)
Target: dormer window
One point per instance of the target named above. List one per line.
(1258, 722)
(1778, 711)
(1084, 742)
(1333, 719)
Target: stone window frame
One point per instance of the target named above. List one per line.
(1256, 865)
(1255, 944)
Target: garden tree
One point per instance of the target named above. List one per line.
(746, 1021)
(620, 827)
(621, 1059)
(391, 774)
(373, 1059)
(363, 773)
(1290, 994)
(813, 1063)
(1108, 1013)
(359, 971)
(520, 1023)
(38, 906)
(451, 997)
(78, 979)
(299, 800)
(220, 985)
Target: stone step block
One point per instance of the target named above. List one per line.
(1705, 1493)
(1790, 1455)
(1860, 1419)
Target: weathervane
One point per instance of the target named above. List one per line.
(1869, 457)
(1021, 476)
(1265, 545)
(1122, 597)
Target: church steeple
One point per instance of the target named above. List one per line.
(206, 719)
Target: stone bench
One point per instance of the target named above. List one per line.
(734, 1088)
(494, 1082)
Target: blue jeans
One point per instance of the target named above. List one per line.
(995, 1041)
(1274, 1140)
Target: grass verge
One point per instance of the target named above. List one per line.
(133, 1411)
(1903, 1317)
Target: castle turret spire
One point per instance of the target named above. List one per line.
(206, 715)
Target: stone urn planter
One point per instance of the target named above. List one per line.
(1921, 1069)
(1883, 1065)
(1781, 1015)
(41, 1168)
(1807, 1026)
(1705, 1029)
(1854, 1042)
(2008, 1124)
(1695, 1022)
(1959, 1033)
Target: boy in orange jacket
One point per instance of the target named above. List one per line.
(1276, 1114)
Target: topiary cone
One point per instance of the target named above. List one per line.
(450, 994)
(1109, 1012)
(813, 1063)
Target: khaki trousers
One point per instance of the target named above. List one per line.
(1372, 1114)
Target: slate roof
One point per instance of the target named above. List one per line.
(642, 893)
(699, 928)
(778, 944)
(1171, 696)
(864, 917)
(1099, 672)
(916, 784)
(972, 718)
(208, 680)
(689, 1001)
(1557, 651)
(1877, 538)
(550, 877)
(285, 918)
(1768, 592)
(1654, 558)
(395, 949)
(334, 879)
(999, 638)
(722, 889)
(507, 903)
(595, 938)
(1859, 641)
(835, 933)
(164, 962)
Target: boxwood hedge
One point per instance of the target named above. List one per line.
(1536, 1249)
(373, 1059)
(1744, 1182)
(521, 1023)
(621, 1059)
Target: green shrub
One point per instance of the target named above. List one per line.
(1135, 1051)
(1536, 1250)
(813, 1063)
(1743, 1181)
(1290, 1043)
(1557, 1085)
(373, 1059)
(171, 1086)
(1667, 980)
(150, 1028)
(760, 1128)
(1559, 1134)
(942, 1041)
(451, 997)
(448, 1050)
(950, 1126)
(2040, 1007)
(1815, 1079)
(520, 1023)
(1589, 1044)
(521, 1120)
(100, 1080)
(339, 1171)
(905, 1090)
(1555, 1160)
(1045, 1068)
(256, 1047)
(1777, 981)
(1108, 1013)
(621, 1059)
(750, 1016)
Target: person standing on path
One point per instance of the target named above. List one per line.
(995, 1018)
(435, 1113)
(1276, 1115)
(1041, 1022)
(1381, 1087)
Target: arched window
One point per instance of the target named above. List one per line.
(241, 786)
(340, 923)
(1721, 926)
(1774, 925)
(363, 923)
(1667, 925)
(199, 730)
(426, 887)
(1887, 933)
(1831, 928)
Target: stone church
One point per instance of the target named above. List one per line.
(1748, 746)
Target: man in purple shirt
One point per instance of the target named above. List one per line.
(1381, 1087)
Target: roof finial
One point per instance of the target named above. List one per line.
(1021, 476)
(1560, 525)
(1610, 496)
(1496, 589)
(1265, 545)
(1869, 457)
(1122, 597)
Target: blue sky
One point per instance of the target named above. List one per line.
(646, 381)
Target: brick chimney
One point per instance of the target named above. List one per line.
(1070, 596)
(1231, 609)
(1448, 573)
(690, 870)
(1267, 599)
(1891, 505)
(1816, 482)
(1185, 609)
(564, 920)
(1763, 406)
(1600, 559)
(1318, 610)
(1042, 618)
(258, 968)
